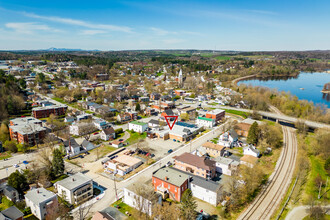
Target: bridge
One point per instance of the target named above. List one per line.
(280, 118)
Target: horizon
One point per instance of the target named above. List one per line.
(238, 25)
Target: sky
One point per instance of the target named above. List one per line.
(241, 25)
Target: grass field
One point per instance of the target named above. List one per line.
(223, 58)
(5, 155)
(5, 203)
(236, 112)
(135, 137)
(122, 207)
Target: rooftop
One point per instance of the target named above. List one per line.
(213, 146)
(11, 213)
(25, 120)
(127, 160)
(138, 123)
(49, 107)
(28, 128)
(173, 176)
(216, 111)
(74, 181)
(194, 160)
(39, 195)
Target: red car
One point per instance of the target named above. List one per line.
(96, 133)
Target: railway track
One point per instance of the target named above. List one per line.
(270, 197)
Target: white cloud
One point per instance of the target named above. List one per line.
(29, 27)
(81, 23)
(92, 32)
(161, 32)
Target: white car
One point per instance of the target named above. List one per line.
(15, 165)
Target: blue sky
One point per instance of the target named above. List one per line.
(150, 24)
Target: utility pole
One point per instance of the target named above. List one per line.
(114, 181)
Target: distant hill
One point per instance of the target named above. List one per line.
(65, 49)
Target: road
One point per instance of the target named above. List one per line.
(271, 195)
(146, 174)
(6, 166)
(301, 212)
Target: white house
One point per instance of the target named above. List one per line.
(101, 124)
(81, 128)
(75, 189)
(138, 126)
(251, 150)
(205, 122)
(226, 165)
(108, 134)
(206, 190)
(228, 139)
(72, 148)
(39, 200)
(136, 201)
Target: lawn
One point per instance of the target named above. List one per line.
(122, 207)
(59, 178)
(59, 100)
(5, 203)
(5, 155)
(317, 168)
(223, 58)
(102, 150)
(236, 112)
(135, 137)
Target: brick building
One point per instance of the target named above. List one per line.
(44, 112)
(27, 130)
(170, 183)
(217, 115)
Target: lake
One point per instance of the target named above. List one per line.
(312, 84)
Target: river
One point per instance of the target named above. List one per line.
(306, 86)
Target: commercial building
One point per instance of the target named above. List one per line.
(75, 189)
(44, 112)
(40, 201)
(199, 166)
(122, 164)
(205, 122)
(216, 114)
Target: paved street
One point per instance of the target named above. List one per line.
(6, 167)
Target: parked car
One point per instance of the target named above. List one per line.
(170, 151)
(96, 133)
(169, 163)
(15, 165)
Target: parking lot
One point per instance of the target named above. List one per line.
(160, 147)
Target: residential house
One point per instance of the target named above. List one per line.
(205, 122)
(199, 166)
(133, 199)
(10, 192)
(243, 128)
(154, 96)
(108, 134)
(137, 126)
(168, 112)
(40, 201)
(83, 117)
(251, 150)
(218, 115)
(214, 150)
(122, 164)
(87, 146)
(101, 124)
(72, 148)
(81, 128)
(124, 117)
(144, 99)
(153, 123)
(69, 119)
(228, 139)
(117, 144)
(150, 111)
(75, 189)
(226, 165)
(12, 213)
(170, 183)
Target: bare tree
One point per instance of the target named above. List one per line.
(166, 211)
(83, 211)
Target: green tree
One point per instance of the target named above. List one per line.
(18, 181)
(41, 78)
(22, 83)
(188, 205)
(137, 107)
(10, 146)
(4, 133)
(22, 147)
(327, 165)
(253, 134)
(57, 163)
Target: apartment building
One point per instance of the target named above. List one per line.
(199, 166)
(44, 112)
(27, 130)
(75, 189)
(40, 200)
(216, 114)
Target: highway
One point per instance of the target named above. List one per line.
(271, 195)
